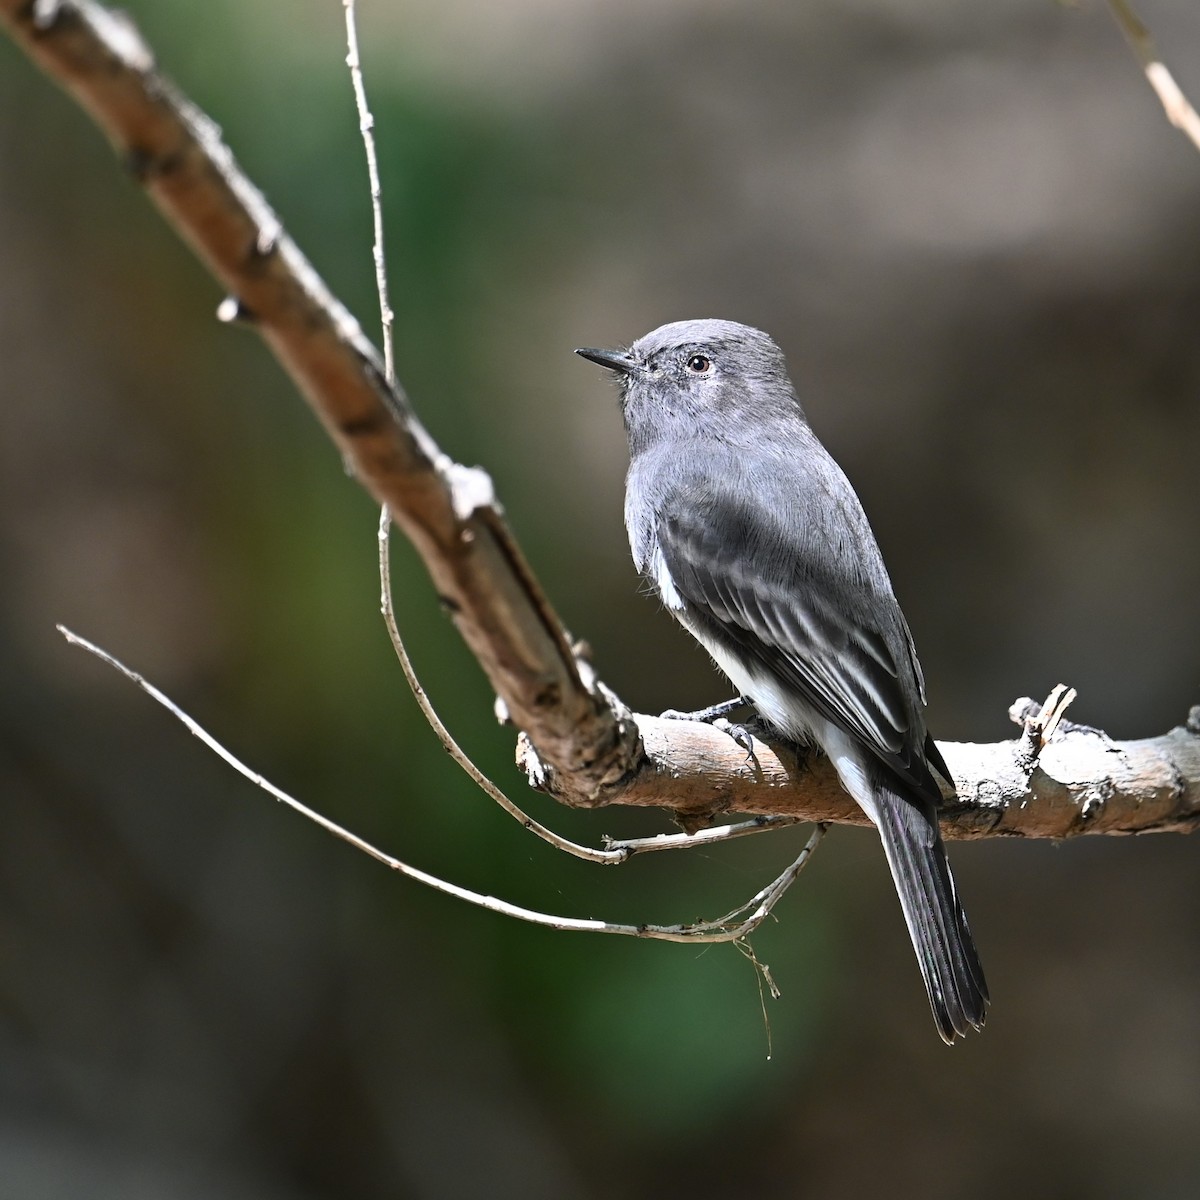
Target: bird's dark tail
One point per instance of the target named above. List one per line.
(936, 922)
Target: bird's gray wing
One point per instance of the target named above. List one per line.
(820, 619)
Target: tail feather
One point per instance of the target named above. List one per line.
(936, 922)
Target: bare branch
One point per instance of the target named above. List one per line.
(1175, 104)
(1083, 781)
(580, 744)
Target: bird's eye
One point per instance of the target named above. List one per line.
(698, 364)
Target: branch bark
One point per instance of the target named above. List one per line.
(1081, 782)
(580, 743)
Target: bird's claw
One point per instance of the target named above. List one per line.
(740, 734)
(707, 716)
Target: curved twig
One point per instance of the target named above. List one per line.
(435, 722)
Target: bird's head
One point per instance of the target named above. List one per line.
(689, 377)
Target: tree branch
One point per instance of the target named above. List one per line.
(590, 750)
(448, 511)
(1081, 782)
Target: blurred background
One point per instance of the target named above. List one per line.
(974, 234)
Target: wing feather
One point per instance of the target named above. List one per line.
(825, 626)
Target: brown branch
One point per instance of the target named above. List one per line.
(590, 751)
(446, 510)
(1081, 782)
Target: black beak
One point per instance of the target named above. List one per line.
(615, 360)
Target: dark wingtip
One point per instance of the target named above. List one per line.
(969, 1012)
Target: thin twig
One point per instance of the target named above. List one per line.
(765, 980)
(444, 735)
(705, 931)
(766, 899)
(1039, 722)
(702, 837)
(366, 126)
(1170, 95)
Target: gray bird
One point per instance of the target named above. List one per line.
(757, 544)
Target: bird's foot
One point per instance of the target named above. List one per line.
(740, 734)
(709, 715)
(715, 716)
